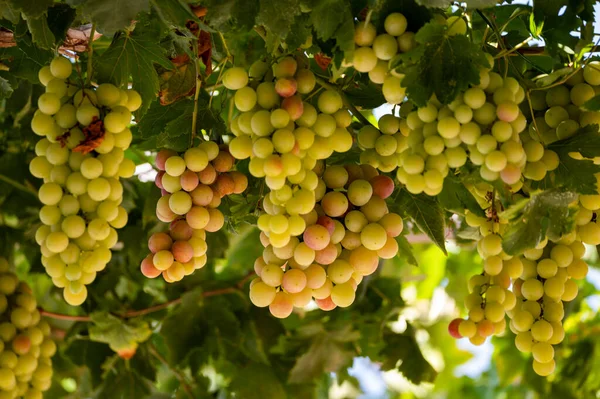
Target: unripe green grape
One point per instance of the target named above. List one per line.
(378, 74)
(324, 125)
(555, 115)
(245, 99)
(406, 42)
(578, 269)
(117, 120)
(469, 133)
(535, 171)
(486, 144)
(541, 331)
(495, 161)
(591, 73)
(365, 59)
(474, 98)
(126, 168)
(415, 184)
(456, 26)
(385, 47)
(456, 157)
(364, 34)
(486, 114)
(86, 114)
(308, 117)
(448, 127)
(330, 101)
(45, 75)
(395, 24)
(61, 67)
(108, 95)
(235, 78)
(393, 91)
(40, 167)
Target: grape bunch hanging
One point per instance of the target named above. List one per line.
(25, 343)
(324, 253)
(192, 186)
(80, 158)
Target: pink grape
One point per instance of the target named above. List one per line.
(383, 186)
(286, 87)
(180, 230)
(182, 251)
(188, 180)
(202, 195)
(316, 237)
(325, 304)
(148, 268)
(162, 157)
(208, 175)
(294, 281)
(159, 242)
(327, 222)
(294, 106)
(327, 255)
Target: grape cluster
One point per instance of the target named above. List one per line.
(26, 348)
(586, 218)
(323, 251)
(374, 51)
(80, 158)
(283, 135)
(548, 280)
(489, 295)
(557, 112)
(481, 126)
(192, 186)
(382, 146)
(542, 279)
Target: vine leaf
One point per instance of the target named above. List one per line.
(117, 333)
(327, 353)
(278, 15)
(447, 3)
(593, 104)
(31, 8)
(405, 251)
(426, 213)
(546, 214)
(111, 15)
(40, 32)
(404, 348)
(6, 89)
(574, 174)
(133, 54)
(456, 197)
(257, 381)
(123, 382)
(442, 65)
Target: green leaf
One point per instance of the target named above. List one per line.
(426, 213)
(25, 60)
(546, 214)
(405, 251)
(8, 12)
(232, 15)
(116, 332)
(175, 12)
(60, 18)
(178, 83)
(404, 348)
(158, 116)
(573, 174)
(177, 133)
(326, 354)
(456, 197)
(89, 354)
(133, 55)
(300, 32)
(183, 329)
(442, 65)
(257, 381)
(31, 8)
(111, 15)
(592, 104)
(6, 89)
(40, 32)
(278, 15)
(328, 15)
(366, 95)
(123, 382)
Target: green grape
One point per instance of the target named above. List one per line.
(245, 99)
(61, 67)
(235, 78)
(343, 295)
(385, 47)
(365, 59)
(98, 189)
(395, 24)
(392, 90)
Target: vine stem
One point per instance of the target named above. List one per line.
(88, 78)
(345, 100)
(18, 185)
(178, 374)
(152, 309)
(195, 113)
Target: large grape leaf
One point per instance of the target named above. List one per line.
(6, 89)
(132, 55)
(116, 332)
(441, 64)
(232, 15)
(545, 214)
(456, 198)
(257, 381)
(123, 382)
(574, 174)
(25, 59)
(41, 34)
(426, 212)
(110, 15)
(31, 8)
(404, 348)
(278, 15)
